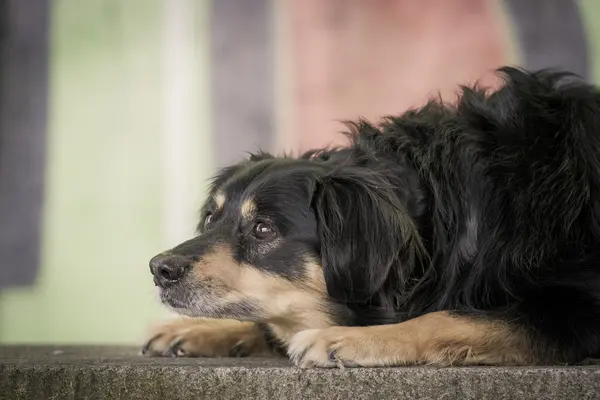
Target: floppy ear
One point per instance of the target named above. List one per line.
(365, 233)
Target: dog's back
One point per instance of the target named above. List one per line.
(512, 220)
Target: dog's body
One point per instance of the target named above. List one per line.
(467, 234)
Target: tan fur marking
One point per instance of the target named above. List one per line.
(314, 273)
(248, 209)
(436, 338)
(288, 307)
(209, 338)
(220, 200)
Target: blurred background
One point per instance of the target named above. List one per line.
(114, 113)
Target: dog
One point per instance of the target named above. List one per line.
(463, 234)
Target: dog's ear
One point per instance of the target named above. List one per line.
(365, 232)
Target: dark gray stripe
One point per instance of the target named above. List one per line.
(242, 78)
(24, 35)
(551, 34)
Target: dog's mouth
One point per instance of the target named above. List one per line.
(173, 298)
(182, 303)
(198, 303)
(190, 302)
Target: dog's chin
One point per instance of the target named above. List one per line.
(195, 306)
(177, 306)
(182, 304)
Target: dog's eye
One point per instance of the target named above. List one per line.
(207, 220)
(262, 230)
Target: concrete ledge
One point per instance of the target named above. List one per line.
(117, 373)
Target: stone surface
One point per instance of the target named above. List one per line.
(118, 373)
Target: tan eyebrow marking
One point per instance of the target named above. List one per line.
(248, 208)
(219, 200)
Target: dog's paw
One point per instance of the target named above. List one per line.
(348, 347)
(206, 338)
(311, 348)
(326, 348)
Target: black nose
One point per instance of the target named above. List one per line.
(168, 269)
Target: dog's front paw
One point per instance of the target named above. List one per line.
(351, 347)
(325, 348)
(206, 338)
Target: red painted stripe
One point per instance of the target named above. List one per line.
(356, 58)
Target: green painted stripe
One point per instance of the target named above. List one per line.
(103, 218)
(590, 12)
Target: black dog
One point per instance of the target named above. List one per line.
(466, 234)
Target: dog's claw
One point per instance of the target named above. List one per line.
(333, 356)
(239, 350)
(174, 349)
(146, 346)
(299, 359)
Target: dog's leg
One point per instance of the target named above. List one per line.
(438, 338)
(190, 337)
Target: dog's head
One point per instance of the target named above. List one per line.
(284, 239)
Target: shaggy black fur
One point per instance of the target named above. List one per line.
(490, 208)
(504, 191)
